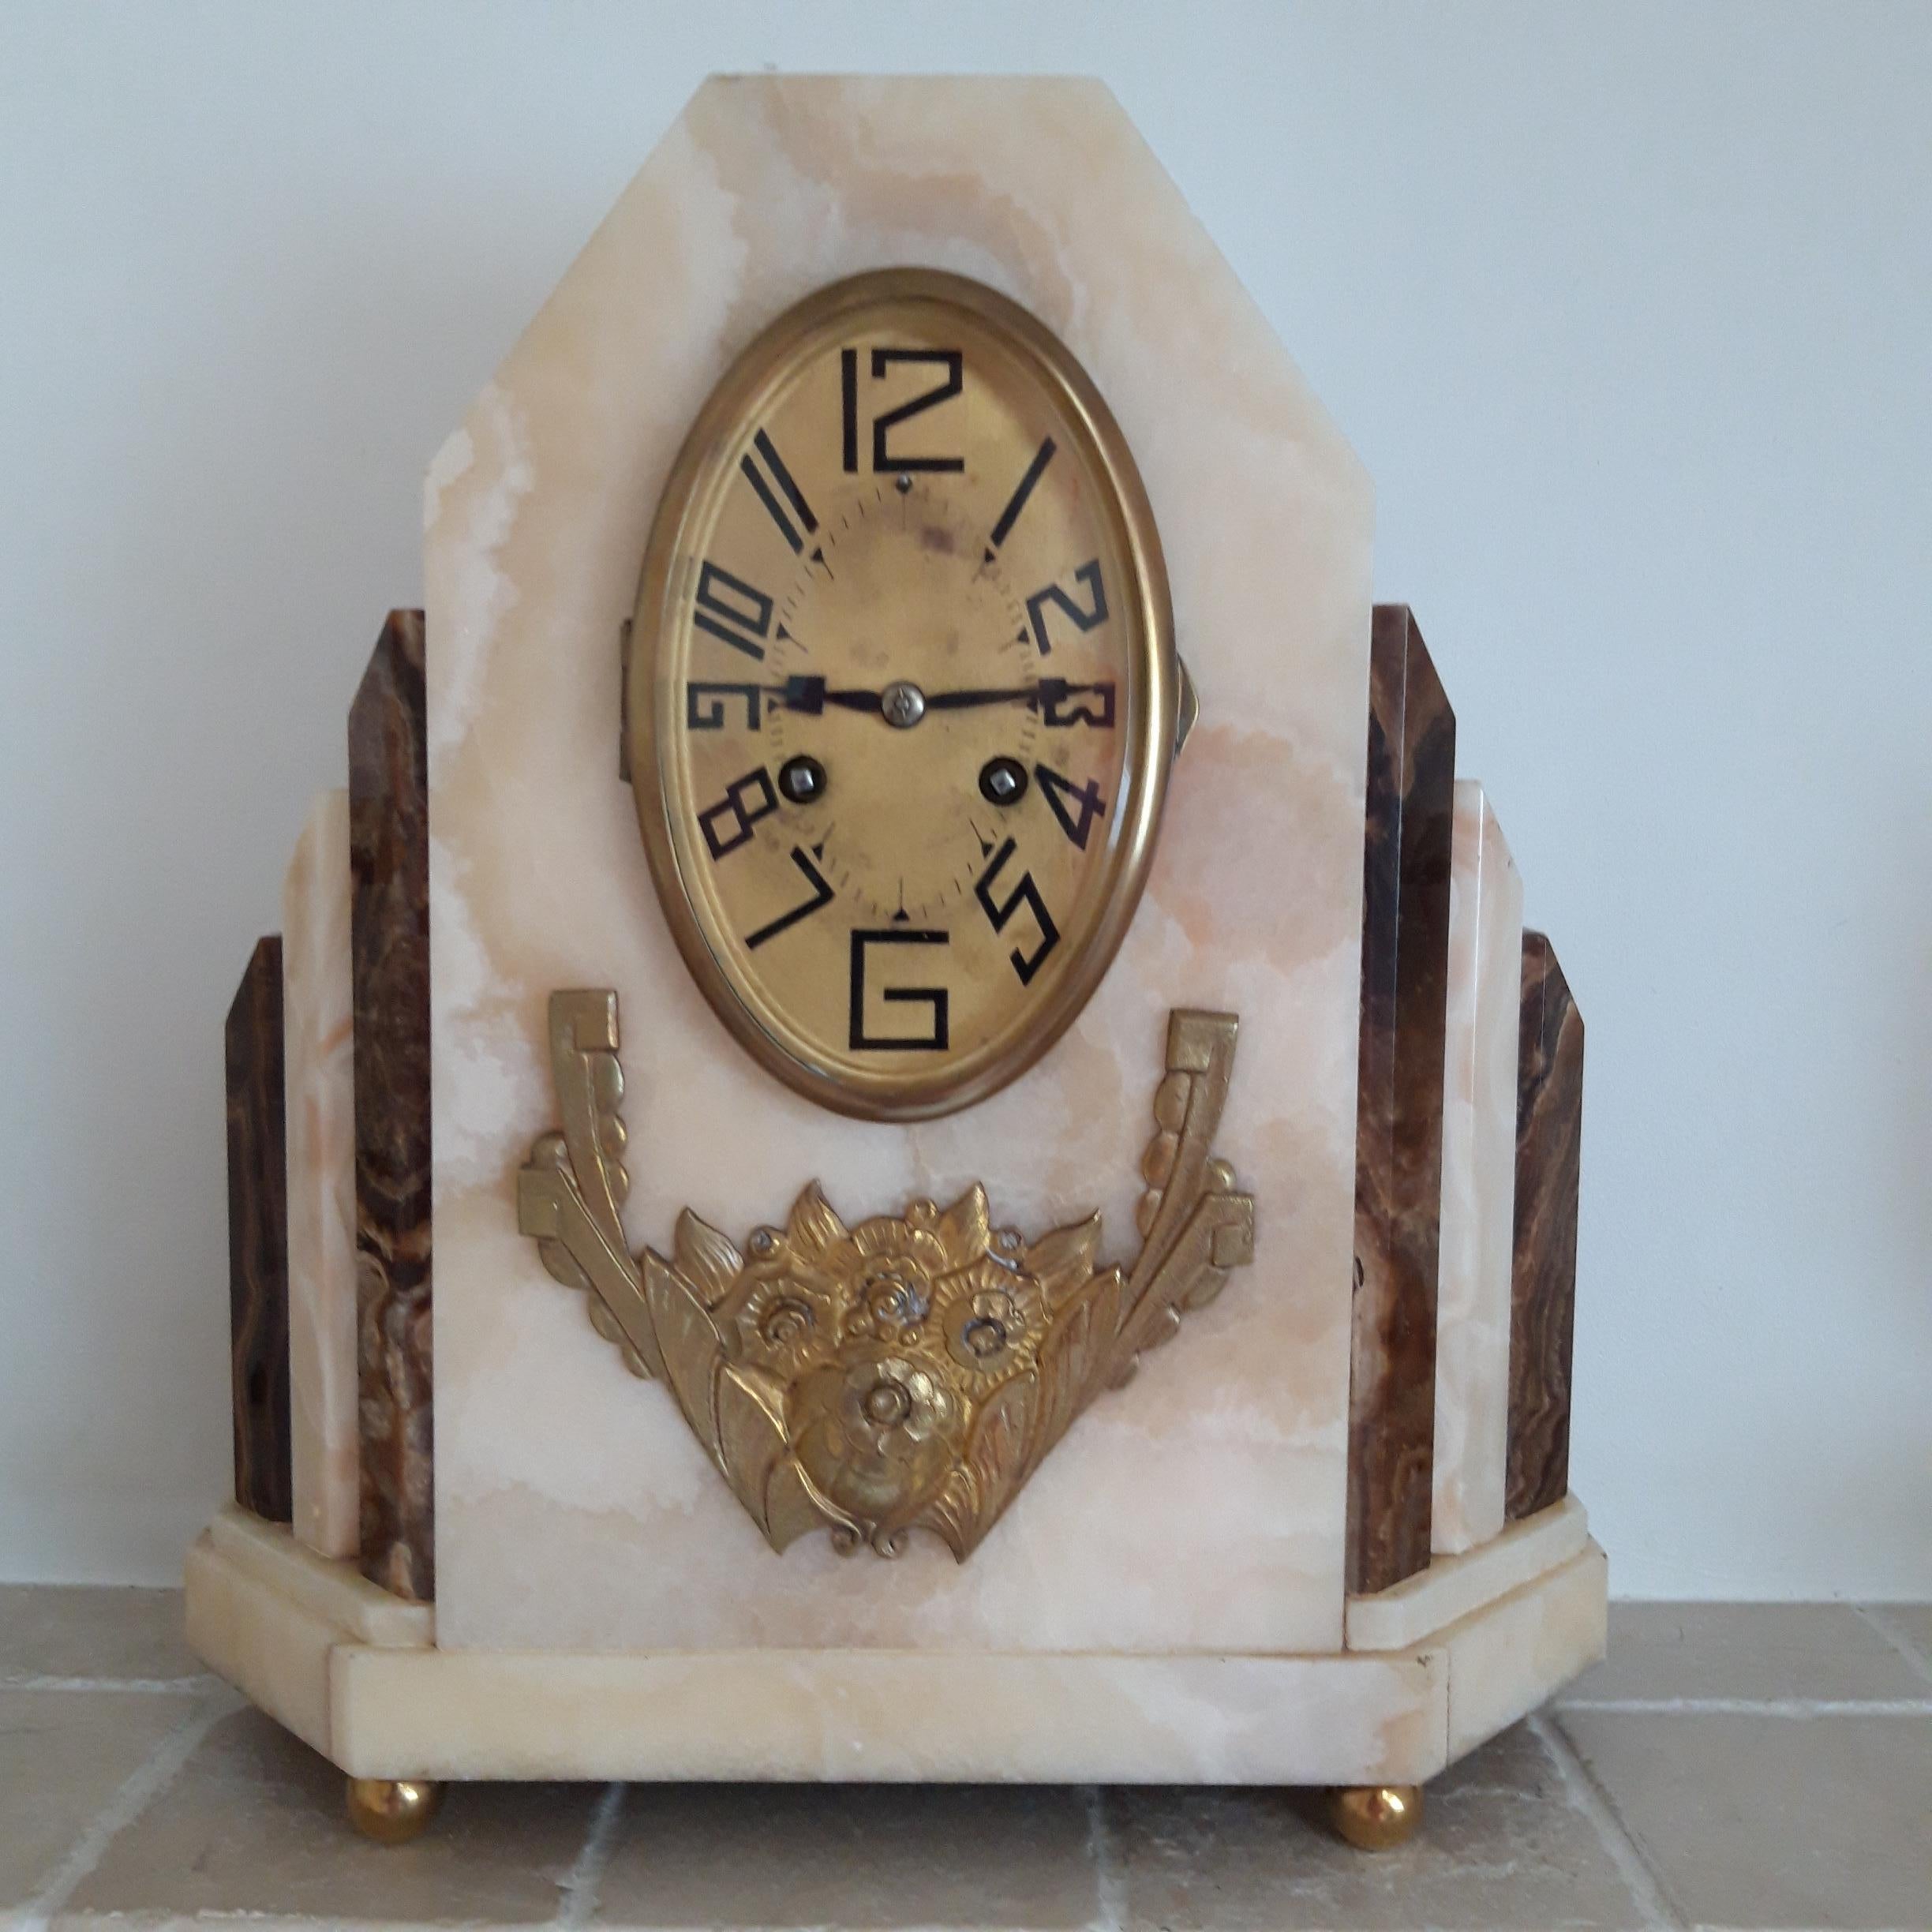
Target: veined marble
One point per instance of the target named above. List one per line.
(258, 1312)
(389, 982)
(1507, 1657)
(358, 1675)
(1549, 1135)
(1201, 1508)
(1478, 1178)
(1405, 957)
(1452, 1587)
(275, 1651)
(319, 1071)
(330, 1587)
(858, 1715)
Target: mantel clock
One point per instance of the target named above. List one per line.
(916, 1072)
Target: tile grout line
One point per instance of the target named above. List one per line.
(139, 1686)
(143, 1919)
(1880, 1619)
(1590, 1798)
(153, 1776)
(1754, 1707)
(1110, 1896)
(586, 1875)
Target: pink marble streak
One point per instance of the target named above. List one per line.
(318, 1044)
(1478, 1178)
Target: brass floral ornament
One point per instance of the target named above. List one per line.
(909, 1372)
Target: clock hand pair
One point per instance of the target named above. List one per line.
(810, 695)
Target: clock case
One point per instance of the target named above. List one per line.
(1324, 1538)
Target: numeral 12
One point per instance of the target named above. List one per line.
(952, 360)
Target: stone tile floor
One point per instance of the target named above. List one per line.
(1731, 1765)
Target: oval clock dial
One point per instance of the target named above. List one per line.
(902, 693)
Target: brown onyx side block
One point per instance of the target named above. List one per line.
(1549, 1139)
(258, 1317)
(1405, 971)
(389, 949)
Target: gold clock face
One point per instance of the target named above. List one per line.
(901, 693)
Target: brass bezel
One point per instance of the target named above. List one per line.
(1151, 711)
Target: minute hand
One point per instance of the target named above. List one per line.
(1048, 697)
(1027, 695)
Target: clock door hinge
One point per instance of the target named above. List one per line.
(1188, 710)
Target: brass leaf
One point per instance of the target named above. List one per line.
(996, 1455)
(1064, 1259)
(691, 1344)
(794, 1508)
(1074, 1361)
(965, 1227)
(705, 1258)
(749, 1407)
(813, 1230)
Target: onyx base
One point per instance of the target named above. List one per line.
(357, 1674)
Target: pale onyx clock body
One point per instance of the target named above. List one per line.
(1226, 1514)
(1168, 1597)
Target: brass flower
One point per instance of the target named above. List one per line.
(877, 1436)
(891, 1296)
(992, 1321)
(887, 1276)
(785, 1321)
(889, 1408)
(887, 1268)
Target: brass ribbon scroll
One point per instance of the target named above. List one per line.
(912, 1371)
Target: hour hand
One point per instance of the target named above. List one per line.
(798, 694)
(809, 696)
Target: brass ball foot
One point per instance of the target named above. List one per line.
(393, 1811)
(1376, 1817)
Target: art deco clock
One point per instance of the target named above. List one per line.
(804, 992)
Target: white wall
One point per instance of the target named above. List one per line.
(1629, 311)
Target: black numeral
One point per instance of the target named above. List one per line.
(789, 530)
(1060, 793)
(729, 608)
(756, 785)
(1054, 598)
(822, 895)
(1015, 504)
(1063, 704)
(933, 998)
(848, 413)
(1026, 893)
(952, 360)
(703, 705)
